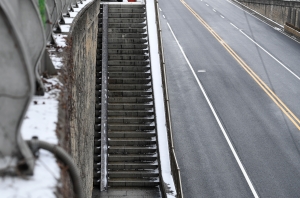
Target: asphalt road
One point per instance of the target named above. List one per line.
(264, 159)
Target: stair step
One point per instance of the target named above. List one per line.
(126, 87)
(97, 150)
(97, 142)
(133, 174)
(127, 51)
(97, 135)
(126, 30)
(130, 106)
(128, 57)
(127, 25)
(98, 120)
(131, 93)
(129, 80)
(98, 113)
(131, 149)
(132, 158)
(97, 175)
(126, 20)
(123, 68)
(128, 74)
(128, 63)
(145, 99)
(98, 106)
(98, 87)
(96, 182)
(133, 182)
(97, 158)
(126, 15)
(131, 120)
(130, 127)
(98, 81)
(136, 113)
(131, 165)
(97, 128)
(131, 134)
(98, 95)
(121, 41)
(126, 10)
(127, 45)
(99, 74)
(97, 166)
(131, 141)
(127, 6)
(99, 56)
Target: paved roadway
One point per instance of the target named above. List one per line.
(263, 137)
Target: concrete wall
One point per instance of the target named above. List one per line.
(277, 10)
(77, 103)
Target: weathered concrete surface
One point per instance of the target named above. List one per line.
(77, 103)
(292, 31)
(276, 10)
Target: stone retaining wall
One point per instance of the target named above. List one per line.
(77, 103)
(277, 10)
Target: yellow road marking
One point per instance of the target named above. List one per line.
(294, 119)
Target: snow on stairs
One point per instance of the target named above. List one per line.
(132, 148)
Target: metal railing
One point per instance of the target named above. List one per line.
(25, 28)
(104, 101)
(174, 164)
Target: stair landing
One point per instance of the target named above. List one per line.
(132, 192)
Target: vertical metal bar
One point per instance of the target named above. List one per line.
(103, 181)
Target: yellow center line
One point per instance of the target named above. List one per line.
(294, 119)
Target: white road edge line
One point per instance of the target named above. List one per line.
(218, 120)
(234, 26)
(270, 55)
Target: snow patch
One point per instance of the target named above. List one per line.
(57, 61)
(159, 100)
(60, 39)
(65, 28)
(68, 20)
(40, 120)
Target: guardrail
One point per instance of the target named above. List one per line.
(174, 164)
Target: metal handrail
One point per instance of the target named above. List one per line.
(174, 164)
(104, 100)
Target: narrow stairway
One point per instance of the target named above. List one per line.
(132, 149)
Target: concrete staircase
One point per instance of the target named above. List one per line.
(132, 150)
